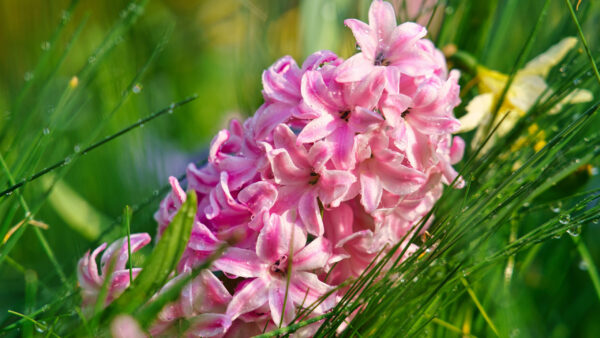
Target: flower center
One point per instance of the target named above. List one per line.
(380, 60)
(345, 115)
(314, 178)
(404, 113)
(280, 265)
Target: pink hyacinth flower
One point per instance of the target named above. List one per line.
(381, 169)
(304, 177)
(344, 110)
(385, 46)
(91, 281)
(267, 267)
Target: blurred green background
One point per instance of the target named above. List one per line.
(217, 50)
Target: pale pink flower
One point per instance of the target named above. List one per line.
(91, 281)
(267, 267)
(169, 206)
(344, 110)
(304, 177)
(124, 326)
(384, 46)
(383, 168)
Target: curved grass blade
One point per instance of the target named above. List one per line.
(107, 139)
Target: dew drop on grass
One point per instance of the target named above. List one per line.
(155, 193)
(574, 231)
(449, 10)
(583, 265)
(67, 160)
(46, 131)
(577, 82)
(65, 16)
(137, 88)
(45, 45)
(92, 59)
(555, 207)
(596, 220)
(77, 148)
(171, 108)
(564, 219)
(28, 76)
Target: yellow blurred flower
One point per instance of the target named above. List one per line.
(528, 85)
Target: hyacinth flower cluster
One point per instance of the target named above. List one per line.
(342, 160)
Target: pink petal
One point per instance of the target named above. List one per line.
(343, 141)
(252, 296)
(178, 193)
(313, 256)
(208, 325)
(393, 106)
(306, 289)
(319, 154)
(338, 222)
(215, 146)
(202, 239)
(239, 262)
(281, 81)
(310, 214)
(354, 69)
(315, 60)
(124, 326)
(403, 37)
(365, 37)
(362, 119)
(276, 236)
(333, 186)
(277, 298)
(399, 180)
(432, 124)
(87, 270)
(318, 129)
(206, 293)
(367, 92)
(202, 180)
(284, 169)
(371, 190)
(259, 195)
(382, 19)
(267, 119)
(316, 93)
(118, 250)
(457, 150)
(284, 137)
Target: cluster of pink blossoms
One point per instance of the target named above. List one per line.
(342, 159)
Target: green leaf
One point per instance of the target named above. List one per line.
(162, 261)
